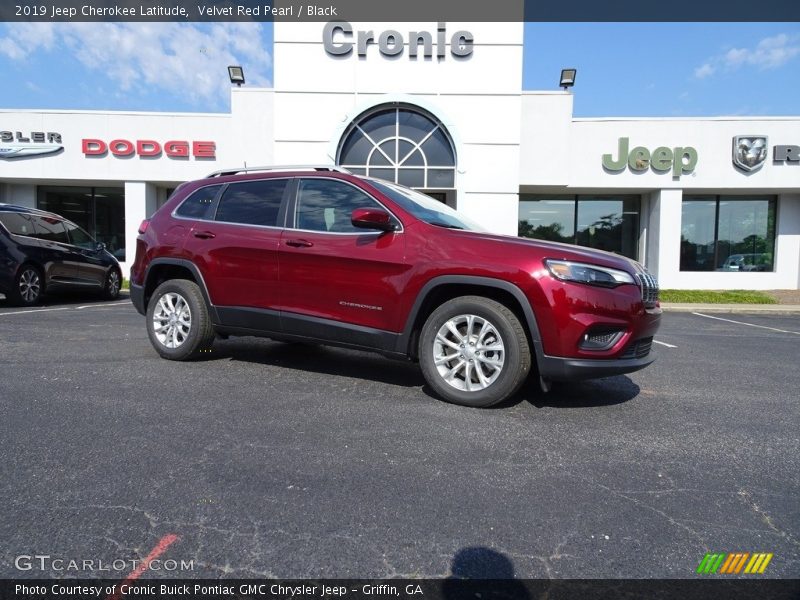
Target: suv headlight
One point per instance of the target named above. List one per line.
(566, 270)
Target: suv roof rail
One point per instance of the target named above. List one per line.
(237, 171)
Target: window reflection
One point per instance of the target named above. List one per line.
(728, 233)
(605, 223)
(100, 211)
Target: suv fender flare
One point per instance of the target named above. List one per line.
(519, 295)
(192, 268)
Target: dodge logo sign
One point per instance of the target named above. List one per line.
(749, 151)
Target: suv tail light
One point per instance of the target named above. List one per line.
(143, 227)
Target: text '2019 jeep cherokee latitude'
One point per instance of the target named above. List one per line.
(320, 254)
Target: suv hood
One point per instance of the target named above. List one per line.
(562, 251)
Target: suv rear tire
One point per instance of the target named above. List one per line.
(28, 287)
(473, 351)
(178, 322)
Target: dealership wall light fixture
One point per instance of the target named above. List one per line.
(568, 78)
(236, 75)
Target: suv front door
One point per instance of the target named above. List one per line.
(337, 279)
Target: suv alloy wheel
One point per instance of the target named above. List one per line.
(28, 288)
(474, 351)
(178, 322)
(112, 285)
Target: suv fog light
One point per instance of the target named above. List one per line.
(600, 339)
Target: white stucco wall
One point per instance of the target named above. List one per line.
(477, 98)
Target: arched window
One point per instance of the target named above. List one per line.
(402, 144)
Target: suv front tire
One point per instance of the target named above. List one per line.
(473, 351)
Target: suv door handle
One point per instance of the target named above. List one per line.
(299, 243)
(204, 235)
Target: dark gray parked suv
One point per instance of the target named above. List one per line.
(42, 252)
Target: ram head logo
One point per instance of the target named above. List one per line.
(749, 151)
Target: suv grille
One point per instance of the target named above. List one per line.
(649, 287)
(638, 349)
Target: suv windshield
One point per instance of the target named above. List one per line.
(425, 208)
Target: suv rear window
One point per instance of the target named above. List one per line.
(198, 205)
(252, 202)
(17, 223)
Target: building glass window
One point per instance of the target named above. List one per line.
(401, 144)
(608, 223)
(728, 233)
(98, 210)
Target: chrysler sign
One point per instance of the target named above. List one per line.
(15, 144)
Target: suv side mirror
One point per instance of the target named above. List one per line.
(372, 218)
(99, 246)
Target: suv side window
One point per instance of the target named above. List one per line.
(198, 205)
(50, 229)
(252, 202)
(78, 237)
(18, 224)
(326, 205)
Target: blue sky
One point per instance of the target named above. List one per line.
(624, 69)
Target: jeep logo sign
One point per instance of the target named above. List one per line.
(338, 38)
(680, 160)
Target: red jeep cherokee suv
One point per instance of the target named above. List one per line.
(319, 254)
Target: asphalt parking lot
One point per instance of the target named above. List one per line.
(271, 459)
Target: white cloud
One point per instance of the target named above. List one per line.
(186, 60)
(769, 53)
(704, 71)
(24, 39)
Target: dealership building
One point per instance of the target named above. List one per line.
(704, 203)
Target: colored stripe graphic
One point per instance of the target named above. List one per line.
(758, 563)
(728, 562)
(740, 563)
(733, 563)
(710, 563)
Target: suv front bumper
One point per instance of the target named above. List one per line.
(557, 368)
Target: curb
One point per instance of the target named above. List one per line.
(753, 309)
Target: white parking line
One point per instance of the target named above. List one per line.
(25, 312)
(38, 310)
(748, 324)
(664, 344)
(105, 304)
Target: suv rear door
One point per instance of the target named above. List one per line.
(236, 249)
(333, 273)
